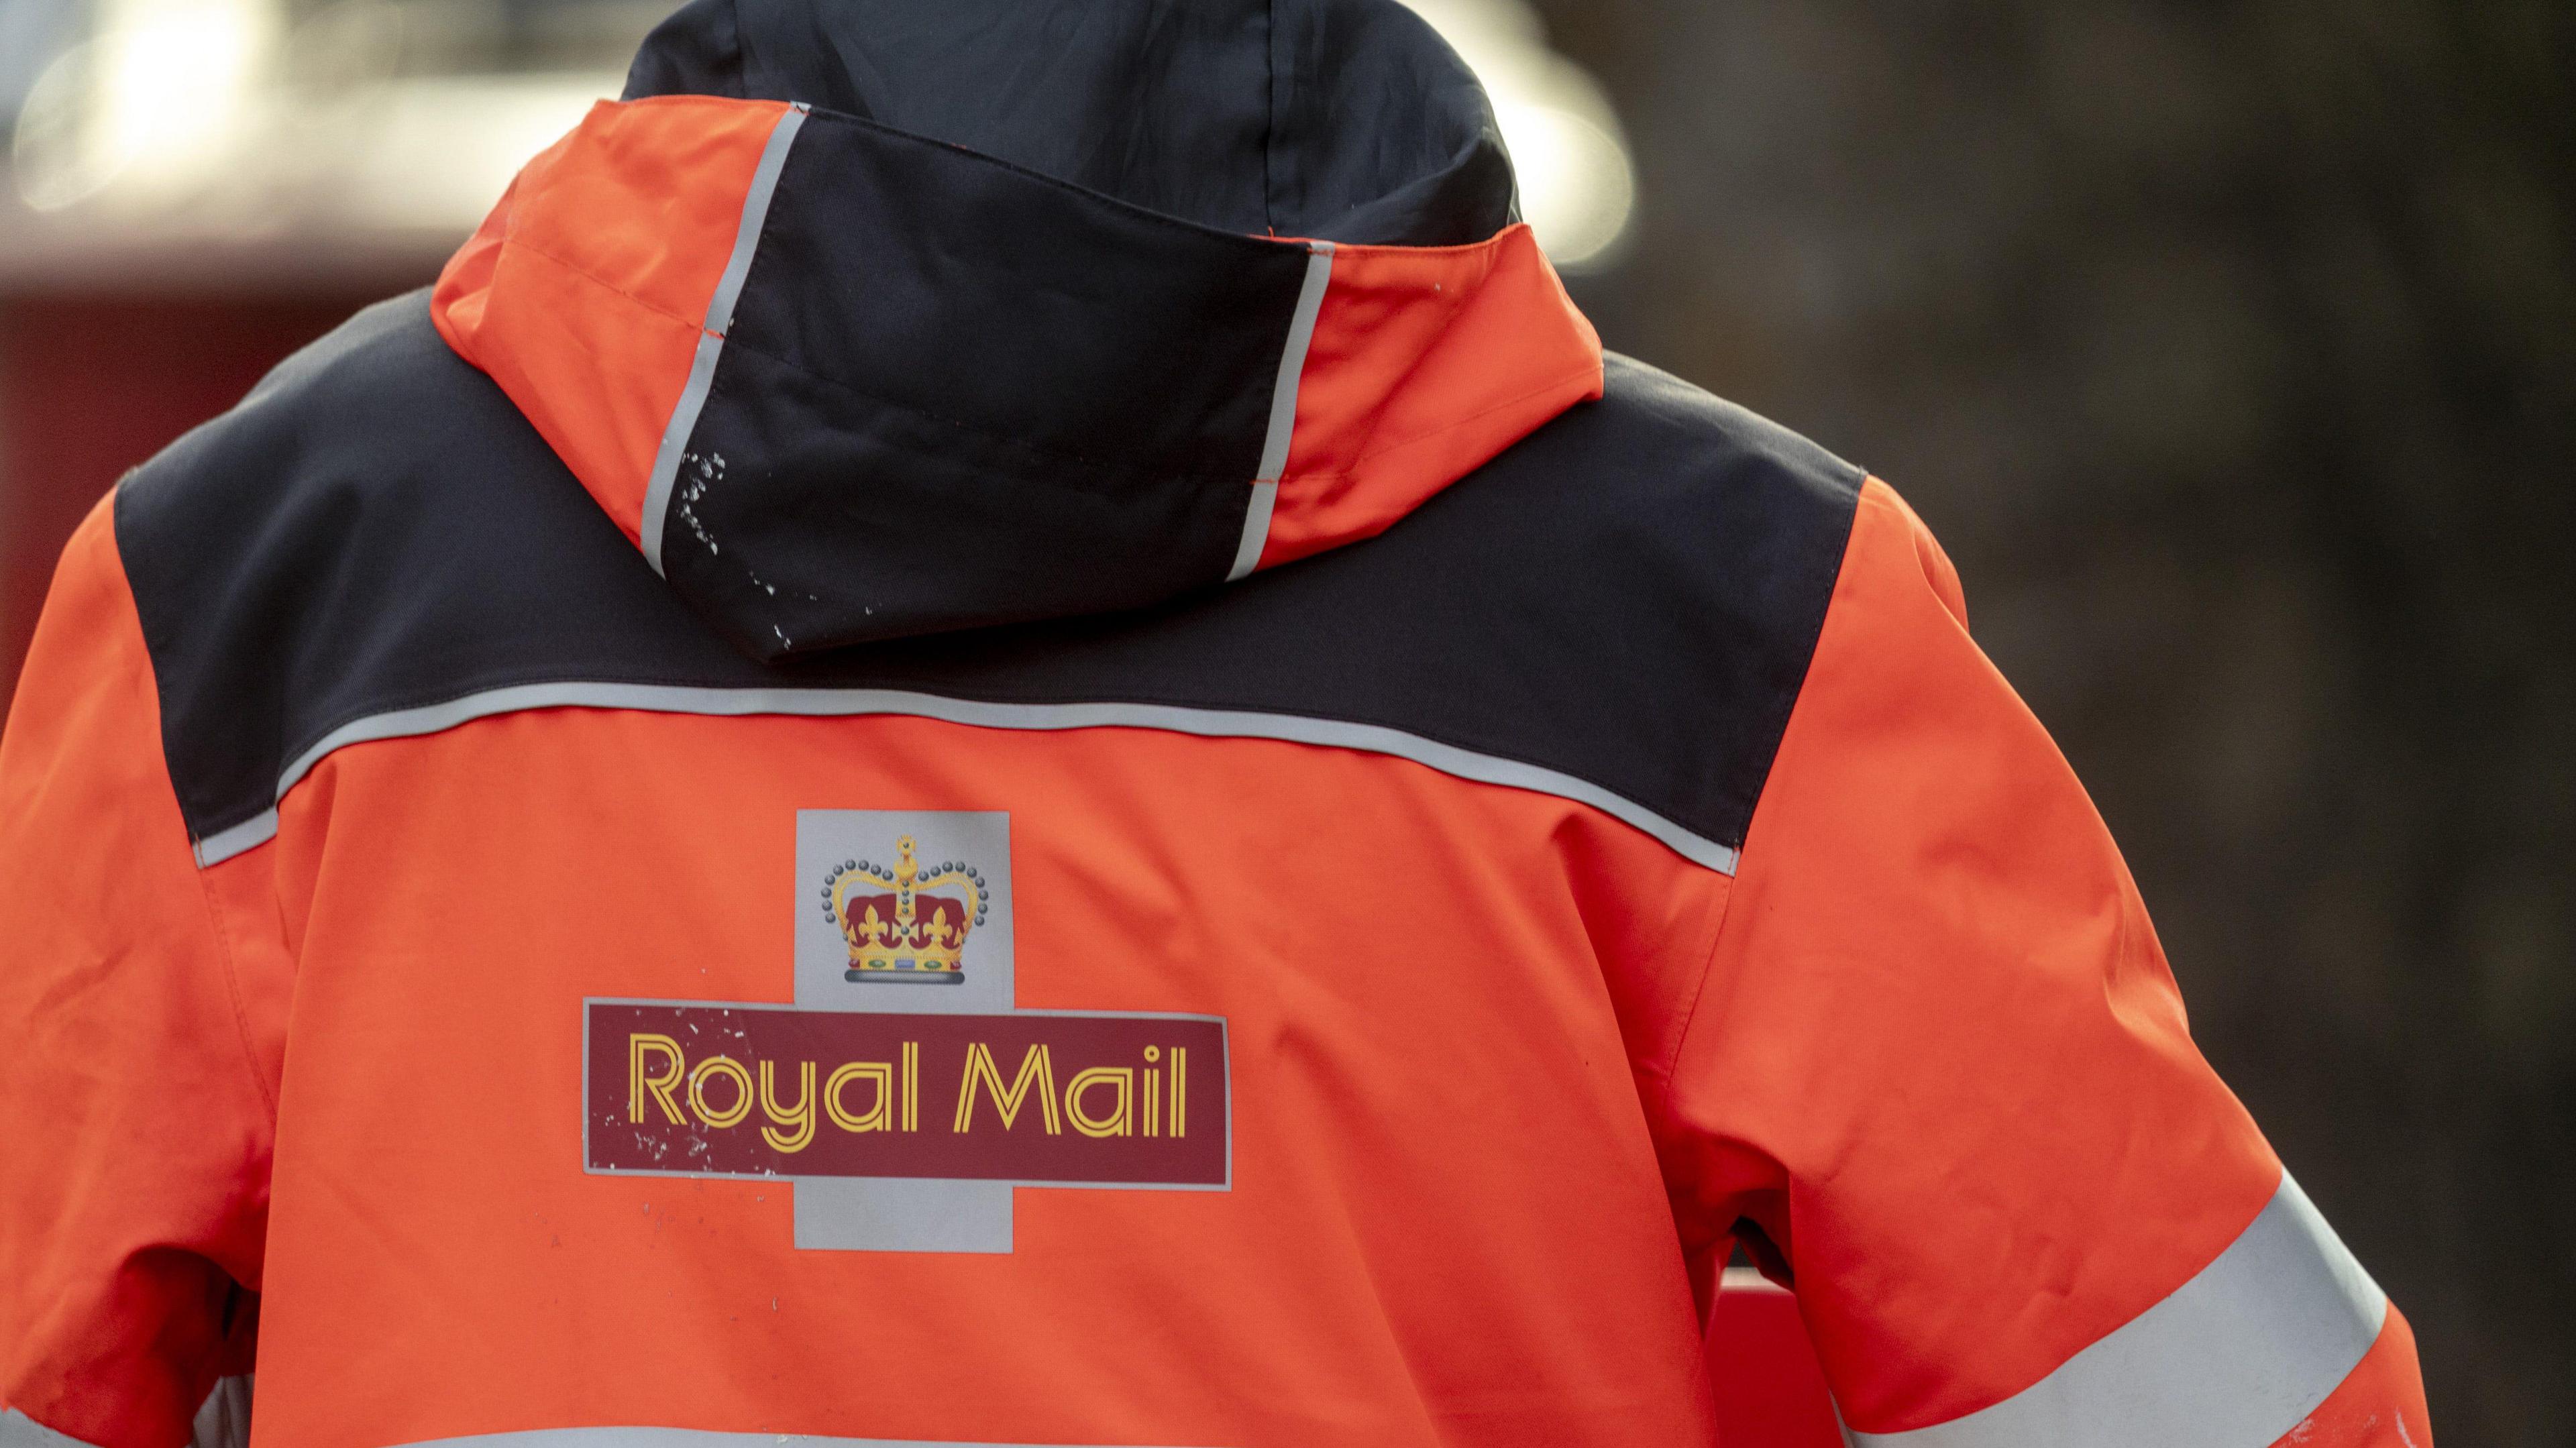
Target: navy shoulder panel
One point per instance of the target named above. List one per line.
(1628, 597)
(374, 527)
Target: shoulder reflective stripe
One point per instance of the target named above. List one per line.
(700, 1438)
(1206, 723)
(1283, 410)
(719, 320)
(223, 844)
(2235, 1358)
(1256, 530)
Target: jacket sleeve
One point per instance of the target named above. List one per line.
(1940, 1064)
(137, 1123)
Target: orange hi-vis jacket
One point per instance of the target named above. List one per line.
(996, 730)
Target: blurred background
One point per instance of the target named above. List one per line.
(2230, 347)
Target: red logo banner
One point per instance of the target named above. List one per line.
(1031, 1097)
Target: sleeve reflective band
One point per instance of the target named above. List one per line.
(2235, 1358)
(224, 1422)
(17, 1430)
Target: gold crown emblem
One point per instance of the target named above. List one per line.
(893, 928)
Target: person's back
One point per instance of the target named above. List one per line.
(997, 731)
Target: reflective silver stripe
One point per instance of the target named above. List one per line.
(251, 833)
(1256, 530)
(1283, 409)
(702, 366)
(675, 443)
(1205, 723)
(2234, 1358)
(1292, 361)
(223, 1422)
(700, 1438)
(17, 1430)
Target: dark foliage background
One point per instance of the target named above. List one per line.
(2231, 349)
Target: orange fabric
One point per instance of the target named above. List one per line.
(585, 291)
(138, 1128)
(1408, 964)
(2381, 1405)
(1484, 1046)
(1939, 1058)
(1426, 362)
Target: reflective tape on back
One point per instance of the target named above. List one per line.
(2234, 1358)
(823, 703)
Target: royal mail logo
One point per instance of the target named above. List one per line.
(906, 1119)
(896, 926)
(729, 1090)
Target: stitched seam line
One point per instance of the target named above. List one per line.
(1022, 446)
(232, 987)
(1775, 726)
(1196, 230)
(1744, 847)
(1448, 427)
(1026, 449)
(513, 680)
(656, 308)
(1270, 116)
(146, 685)
(1699, 991)
(1182, 226)
(1017, 445)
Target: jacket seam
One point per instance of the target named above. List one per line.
(510, 240)
(1699, 993)
(149, 686)
(1020, 446)
(1779, 733)
(1450, 426)
(1026, 449)
(1178, 225)
(744, 61)
(1776, 721)
(1042, 454)
(1144, 698)
(232, 988)
(1244, 243)
(1270, 117)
